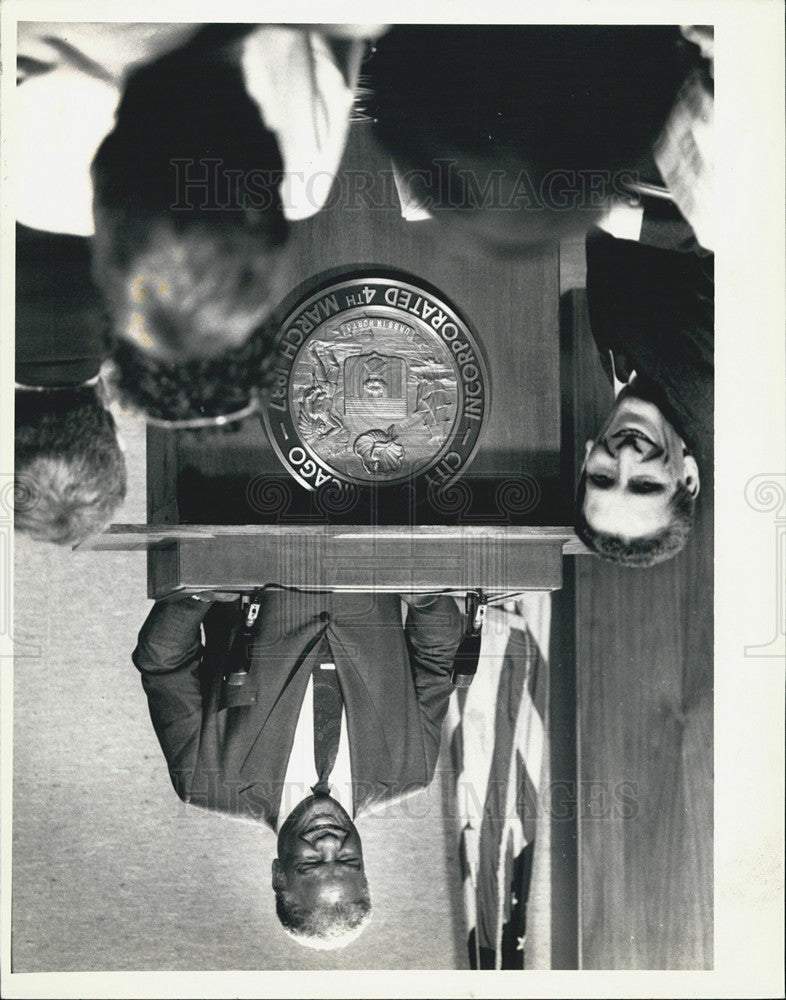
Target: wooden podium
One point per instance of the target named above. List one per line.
(223, 512)
(422, 559)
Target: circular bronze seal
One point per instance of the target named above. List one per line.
(376, 381)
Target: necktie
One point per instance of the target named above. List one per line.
(328, 705)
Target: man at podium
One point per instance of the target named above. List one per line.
(304, 711)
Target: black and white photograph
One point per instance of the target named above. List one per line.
(370, 626)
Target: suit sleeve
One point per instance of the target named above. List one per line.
(433, 631)
(168, 655)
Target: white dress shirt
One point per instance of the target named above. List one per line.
(621, 219)
(304, 99)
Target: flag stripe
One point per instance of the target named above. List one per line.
(496, 730)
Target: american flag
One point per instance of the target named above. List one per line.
(497, 733)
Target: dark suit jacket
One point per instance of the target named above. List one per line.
(396, 685)
(655, 310)
(59, 312)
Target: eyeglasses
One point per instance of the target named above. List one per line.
(91, 383)
(193, 423)
(108, 382)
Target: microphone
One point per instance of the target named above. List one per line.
(239, 658)
(465, 664)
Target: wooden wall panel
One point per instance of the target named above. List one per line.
(645, 736)
(562, 758)
(163, 463)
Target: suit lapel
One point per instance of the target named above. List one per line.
(280, 695)
(264, 764)
(275, 719)
(369, 753)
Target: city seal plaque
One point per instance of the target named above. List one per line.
(376, 381)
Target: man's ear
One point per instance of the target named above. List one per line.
(275, 871)
(692, 476)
